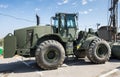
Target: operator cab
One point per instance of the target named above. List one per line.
(65, 24)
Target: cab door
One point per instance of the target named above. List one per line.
(71, 27)
(63, 26)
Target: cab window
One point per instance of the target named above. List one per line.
(71, 22)
(55, 22)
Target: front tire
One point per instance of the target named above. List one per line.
(99, 51)
(50, 54)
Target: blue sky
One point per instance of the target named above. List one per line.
(15, 14)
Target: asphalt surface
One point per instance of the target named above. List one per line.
(27, 67)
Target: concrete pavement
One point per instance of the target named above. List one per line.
(23, 67)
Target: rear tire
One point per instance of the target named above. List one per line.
(50, 54)
(99, 51)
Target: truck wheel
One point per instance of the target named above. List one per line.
(50, 54)
(99, 51)
(80, 53)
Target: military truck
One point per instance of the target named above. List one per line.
(50, 44)
(110, 32)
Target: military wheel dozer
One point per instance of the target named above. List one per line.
(50, 44)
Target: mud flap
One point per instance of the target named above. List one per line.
(9, 46)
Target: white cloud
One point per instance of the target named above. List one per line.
(91, 0)
(86, 11)
(63, 2)
(59, 3)
(90, 10)
(3, 6)
(74, 3)
(37, 9)
(83, 12)
(84, 2)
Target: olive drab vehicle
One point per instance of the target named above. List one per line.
(110, 32)
(50, 44)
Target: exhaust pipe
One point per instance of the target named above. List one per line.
(38, 20)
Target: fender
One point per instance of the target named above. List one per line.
(87, 42)
(50, 36)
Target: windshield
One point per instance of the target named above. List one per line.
(71, 21)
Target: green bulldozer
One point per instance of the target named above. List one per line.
(50, 44)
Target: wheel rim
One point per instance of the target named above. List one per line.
(102, 51)
(52, 55)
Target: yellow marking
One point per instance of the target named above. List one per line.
(78, 46)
